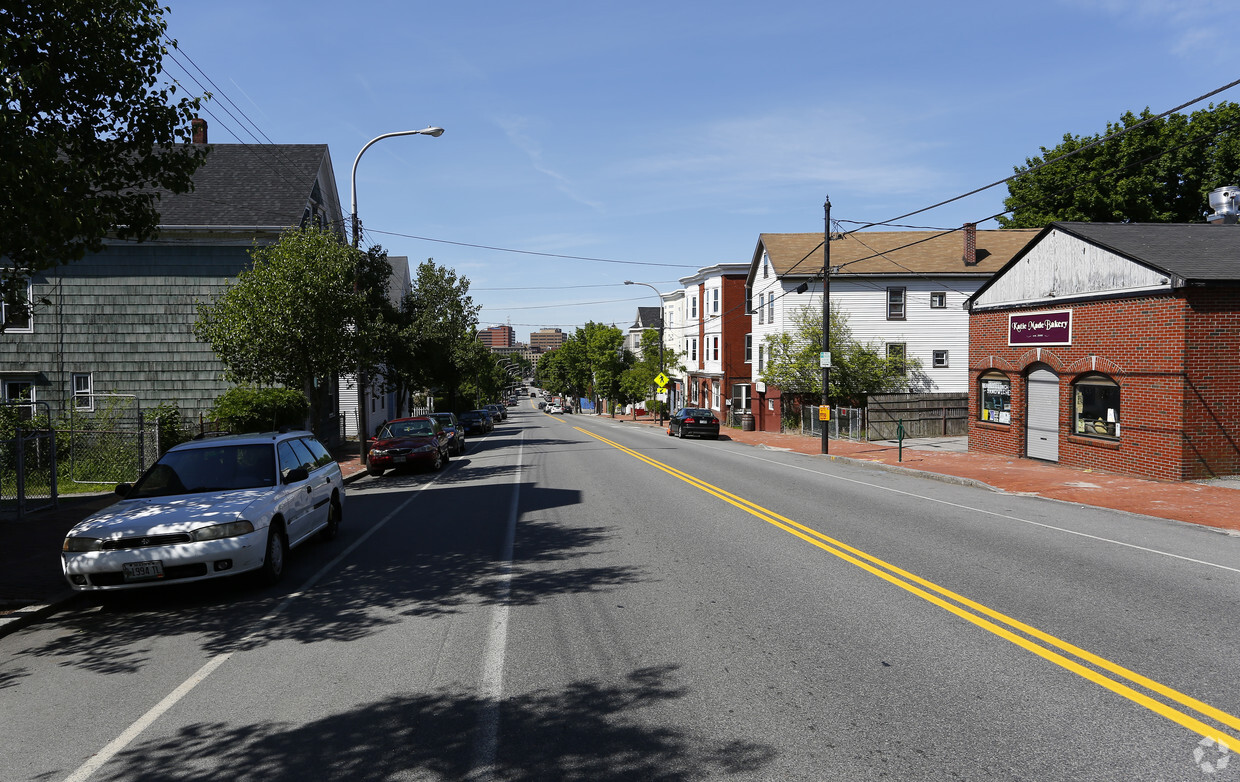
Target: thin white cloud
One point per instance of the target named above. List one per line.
(1195, 30)
(514, 129)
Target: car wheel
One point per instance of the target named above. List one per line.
(334, 512)
(680, 433)
(277, 551)
(437, 463)
(460, 447)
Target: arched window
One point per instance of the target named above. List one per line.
(995, 395)
(1095, 406)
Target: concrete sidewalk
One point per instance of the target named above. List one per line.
(31, 583)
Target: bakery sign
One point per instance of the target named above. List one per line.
(1040, 328)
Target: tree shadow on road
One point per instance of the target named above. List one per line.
(591, 730)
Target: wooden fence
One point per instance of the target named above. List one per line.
(924, 415)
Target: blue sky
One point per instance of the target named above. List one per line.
(668, 135)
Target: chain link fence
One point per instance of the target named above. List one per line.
(108, 441)
(27, 459)
(847, 423)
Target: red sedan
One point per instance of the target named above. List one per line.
(407, 443)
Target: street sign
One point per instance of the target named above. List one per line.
(661, 380)
(824, 360)
(824, 413)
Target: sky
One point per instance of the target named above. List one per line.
(587, 144)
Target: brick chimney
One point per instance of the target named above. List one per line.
(200, 130)
(970, 244)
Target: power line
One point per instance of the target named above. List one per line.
(532, 252)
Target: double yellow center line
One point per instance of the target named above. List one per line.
(986, 618)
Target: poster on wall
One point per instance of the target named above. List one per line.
(1038, 329)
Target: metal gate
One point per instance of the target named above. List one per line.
(1042, 416)
(28, 475)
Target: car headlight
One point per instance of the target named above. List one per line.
(74, 543)
(217, 531)
(378, 452)
(424, 448)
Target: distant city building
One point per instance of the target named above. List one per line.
(497, 336)
(547, 339)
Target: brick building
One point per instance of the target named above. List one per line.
(714, 339)
(1112, 346)
(497, 336)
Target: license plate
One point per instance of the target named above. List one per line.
(398, 459)
(143, 571)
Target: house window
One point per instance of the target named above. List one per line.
(761, 308)
(16, 391)
(995, 395)
(770, 307)
(693, 349)
(714, 303)
(1096, 408)
(749, 348)
(693, 306)
(741, 397)
(761, 357)
(895, 354)
(938, 300)
(17, 319)
(895, 303)
(714, 349)
(766, 268)
(83, 391)
(714, 395)
(940, 359)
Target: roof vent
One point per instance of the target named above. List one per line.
(1225, 201)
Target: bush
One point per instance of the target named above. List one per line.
(171, 425)
(246, 409)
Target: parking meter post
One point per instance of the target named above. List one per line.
(900, 439)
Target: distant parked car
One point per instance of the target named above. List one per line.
(693, 420)
(409, 442)
(455, 430)
(207, 509)
(554, 409)
(498, 411)
(476, 421)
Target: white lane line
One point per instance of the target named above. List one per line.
(118, 744)
(486, 739)
(996, 514)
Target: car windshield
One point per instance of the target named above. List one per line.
(215, 468)
(408, 429)
(443, 420)
(693, 412)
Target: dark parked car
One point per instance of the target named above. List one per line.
(455, 430)
(498, 411)
(408, 442)
(693, 420)
(476, 421)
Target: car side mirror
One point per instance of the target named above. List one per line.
(122, 489)
(296, 474)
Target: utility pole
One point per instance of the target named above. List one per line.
(826, 318)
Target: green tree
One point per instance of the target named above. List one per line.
(1161, 172)
(436, 344)
(298, 316)
(89, 132)
(637, 381)
(857, 370)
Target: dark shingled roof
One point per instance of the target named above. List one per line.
(247, 185)
(647, 317)
(1192, 251)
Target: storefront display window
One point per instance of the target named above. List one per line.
(1096, 407)
(995, 393)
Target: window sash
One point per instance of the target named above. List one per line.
(896, 303)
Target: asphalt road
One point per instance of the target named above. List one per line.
(575, 599)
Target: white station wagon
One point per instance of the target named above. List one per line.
(210, 508)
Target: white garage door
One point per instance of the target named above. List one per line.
(1042, 429)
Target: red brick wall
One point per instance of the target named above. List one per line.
(1212, 390)
(735, 327)
(1174, 359)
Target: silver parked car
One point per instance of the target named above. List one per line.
(207, 509)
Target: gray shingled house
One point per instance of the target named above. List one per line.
(121, 321)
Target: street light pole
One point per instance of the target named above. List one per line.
(661, 370)
(362, 381)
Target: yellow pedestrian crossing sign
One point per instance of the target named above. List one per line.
(661, 380)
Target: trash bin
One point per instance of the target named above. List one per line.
(747, 424)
